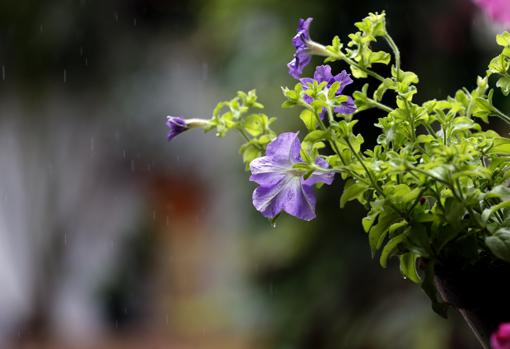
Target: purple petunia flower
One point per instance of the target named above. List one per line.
(281, 187)
(323, 74)
(497, 10)
(501, 338)
(301, 57)
(176, 125)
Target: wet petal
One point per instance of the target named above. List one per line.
(299, 201)
(285, 147)
(268, 200)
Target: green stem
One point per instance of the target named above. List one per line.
(395, 50)
(380, 105)
(501, 115)
(321, 50)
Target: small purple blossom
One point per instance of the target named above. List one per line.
(323, 74)
(501, 338)
(281, 187)
(176, 126)
(301, 57)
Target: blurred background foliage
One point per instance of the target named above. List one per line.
(131, 240)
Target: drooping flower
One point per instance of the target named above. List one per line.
(282, 187)
(497, 10)
(176, 126)
(501, 338)
(301, 57)
(323, 74)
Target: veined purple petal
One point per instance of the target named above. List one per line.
(285, 146)
(176, 126)
(288, 195)
(281, 187)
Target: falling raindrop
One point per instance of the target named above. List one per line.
(124, 154)
(3, 72)
(92, 144)
(116, 16)
(134, 22)
(132, 165)
(41, 28)
(65, 75)
(205, 71)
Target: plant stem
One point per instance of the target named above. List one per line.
(321, 50)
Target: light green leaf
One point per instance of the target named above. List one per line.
(499, 244)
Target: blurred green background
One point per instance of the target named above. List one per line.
(112, 237)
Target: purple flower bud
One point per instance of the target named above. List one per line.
(281, 187)
(501, 338)
(176, 126)
(302, 56)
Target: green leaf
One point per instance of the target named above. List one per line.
(249, 152)
(309, 119)
(408, 266)
(358, 73)
(378, 233)
(391, 248)
(352, 191)
(503, 39)
(254, 124)
(499, 244)
(504, 84)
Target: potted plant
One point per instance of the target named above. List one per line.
(435, 185)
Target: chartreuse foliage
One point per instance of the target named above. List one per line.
(435, 185)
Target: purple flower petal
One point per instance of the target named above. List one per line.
(301, 57)
(288, 195)
(347, 107)
(176, 126)
(323, 73)
(285, 146)
(316, 177)
(281, 187)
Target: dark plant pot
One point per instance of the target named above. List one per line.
(480, 292)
